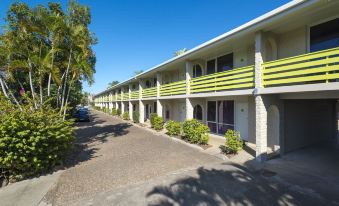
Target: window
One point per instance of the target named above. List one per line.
(148, 84)
(197, 112)
(155, 107)
(211, 116)
(220, 116)
(225, 116)
(197, 71)
(225, 62)
(324, 36)
(211, 66)
(155, 81)
(133, 86)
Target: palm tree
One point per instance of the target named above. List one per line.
(112, 84)
(180, 52)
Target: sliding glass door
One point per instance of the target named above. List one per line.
(220, 116)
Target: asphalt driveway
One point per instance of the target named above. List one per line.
(119, 164)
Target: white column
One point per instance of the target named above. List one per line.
(130, 110)
(189, 109)
(260, 109)
(141, 104)
(189, 106)
(122, 107)
(159, 103)
(130, 105)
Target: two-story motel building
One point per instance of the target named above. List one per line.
(273, 79)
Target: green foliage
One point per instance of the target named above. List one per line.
(152, 116)
(114, 111)
(125, 116)
(195, 132)
(158, 123)
(32, 141)
(233, 143)
(136, 116)
(173, 128)
(119, 112)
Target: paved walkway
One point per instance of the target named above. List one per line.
(115, 154)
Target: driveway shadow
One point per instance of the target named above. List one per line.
(236, 186)
(90, 135)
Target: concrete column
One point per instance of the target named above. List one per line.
(260, 109)
(141, 111)
(159, 81)
(159, 108)
(122, 107)
(130, 110)
(159, 103)
(189, 109)
(141, 104)
(189, 67)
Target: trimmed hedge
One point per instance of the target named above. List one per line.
(158, 123)
(152, 116)
(125, 116)
(136, 117)
(173, 128)
(114, 111)
(195, 132)
(234, 143)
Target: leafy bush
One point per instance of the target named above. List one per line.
(173, 128)
(136, 116)
(152, 116)
(125, 116)
(233, 143)
(114, 111)
(118, 112)
(32, 141)
(195, 132)
(158, 123)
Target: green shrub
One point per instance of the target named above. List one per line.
(136, 116)
(32, 141)
(125, 116)
(173, 128)
(114, 111)
(158, 123)
(233, 143)
(118, 112)
(195, 132)
(152, 116)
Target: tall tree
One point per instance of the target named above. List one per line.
(112, 84)
(180, 52)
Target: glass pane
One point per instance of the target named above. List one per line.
(211, 66)
(197, 112)
(212, 126)
(324, 36)
(225, 62)
(211, 111)
(226, 112)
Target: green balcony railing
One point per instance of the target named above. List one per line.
(149, 92)
(175, 88)
(240, 78)
(135, 95)
(119, 97)
(125, 96)
(315, 67)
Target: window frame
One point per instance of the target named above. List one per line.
(215, 58)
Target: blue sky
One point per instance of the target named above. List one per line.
(138, 34)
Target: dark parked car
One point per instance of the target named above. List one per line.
(81, 115)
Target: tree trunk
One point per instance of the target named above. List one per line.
(49, 85)
(65, 82)
(3, 88)
(66, 102)
(32, 89)
(13, 97)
